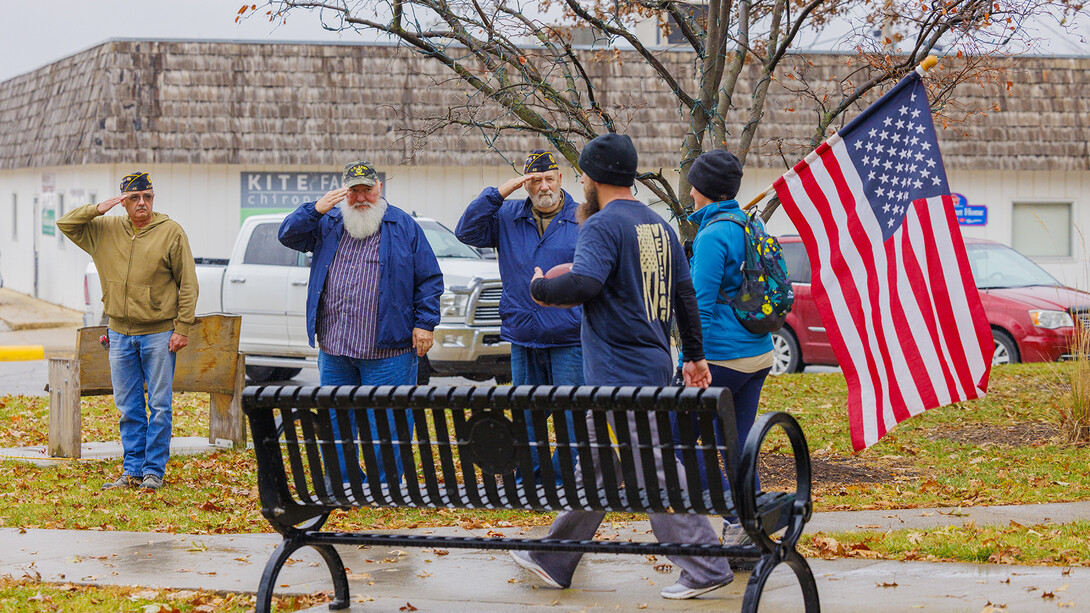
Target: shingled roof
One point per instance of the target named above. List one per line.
(178, 102)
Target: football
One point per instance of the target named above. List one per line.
(558, 270)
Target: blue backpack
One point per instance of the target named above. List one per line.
(765, 297)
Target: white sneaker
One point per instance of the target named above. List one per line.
(680, 591)
(734, 535)
(523, 559)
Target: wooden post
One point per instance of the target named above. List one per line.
(65, 422)
(226, 422)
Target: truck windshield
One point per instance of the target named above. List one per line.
(445, 244)
(996, 266)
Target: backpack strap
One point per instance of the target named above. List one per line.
(730, 215)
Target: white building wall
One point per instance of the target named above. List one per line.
(206, 201)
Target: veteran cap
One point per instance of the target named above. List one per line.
(136, 182)
(540, 161)
(360, 173)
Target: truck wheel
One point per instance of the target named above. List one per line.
(786, 357)
(261, 374)
(423, 371)
(503, 379)
(1006, 350)
(286, 374)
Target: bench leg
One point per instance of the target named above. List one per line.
(339, 574)
(763, 571)
(276, 562)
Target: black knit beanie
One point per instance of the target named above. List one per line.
(610, 159)
(717, 174)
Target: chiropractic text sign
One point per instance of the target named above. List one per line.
(285, 190)
(277, 192)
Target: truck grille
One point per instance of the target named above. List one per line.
(486, 311)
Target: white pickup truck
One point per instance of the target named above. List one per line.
(266, 283)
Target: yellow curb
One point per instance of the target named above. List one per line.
(15, 353)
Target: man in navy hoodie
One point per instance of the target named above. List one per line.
(631, 276)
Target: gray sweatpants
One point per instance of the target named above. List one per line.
(696, 572)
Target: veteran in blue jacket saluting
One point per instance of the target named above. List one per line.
(537, 231)
(373, 297)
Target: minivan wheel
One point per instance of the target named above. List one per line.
(1006, 350)
(786, 357)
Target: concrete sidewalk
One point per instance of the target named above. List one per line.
(29, 330)
(20, 312)
(384, 579)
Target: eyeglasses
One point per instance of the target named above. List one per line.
(134, 198)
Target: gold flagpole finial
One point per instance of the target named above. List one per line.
(928, 63)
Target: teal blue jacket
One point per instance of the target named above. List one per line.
(718, 252)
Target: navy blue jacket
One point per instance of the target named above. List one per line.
(410, 282)
(509, 227)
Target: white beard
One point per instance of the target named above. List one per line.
(544, 201)
(361, 223)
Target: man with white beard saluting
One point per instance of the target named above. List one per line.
(373, 297)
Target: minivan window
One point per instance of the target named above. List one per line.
(996, 266)
(798, 266)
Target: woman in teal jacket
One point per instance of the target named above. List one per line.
(739, 360)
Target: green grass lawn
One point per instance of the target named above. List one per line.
(1003, 449)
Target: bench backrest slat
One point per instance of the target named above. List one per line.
(460, 447)
(603, 454)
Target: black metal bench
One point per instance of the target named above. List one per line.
(468, 443)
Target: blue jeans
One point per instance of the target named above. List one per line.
(547, 366)
(134, 361)
(745, 388)
(341, 370)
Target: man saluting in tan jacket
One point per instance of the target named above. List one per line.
(149, 290)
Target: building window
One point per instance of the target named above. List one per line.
(694, 13)
(1042, 229)
(14, 217)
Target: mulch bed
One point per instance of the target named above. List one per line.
(1024, 434)
(778, 470)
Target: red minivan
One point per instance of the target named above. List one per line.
(1032, 315)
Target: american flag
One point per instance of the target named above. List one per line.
(890, 276)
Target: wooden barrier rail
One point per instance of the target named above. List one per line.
(210, 363)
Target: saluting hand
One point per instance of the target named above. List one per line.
(330, 199)
(106, 205)
(509, 186)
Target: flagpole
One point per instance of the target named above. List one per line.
(921, 69)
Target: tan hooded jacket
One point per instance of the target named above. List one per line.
(149, 280)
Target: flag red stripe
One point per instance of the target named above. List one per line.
(871, 284)
(976, 307)
(825, 310)
(921, 292)
(906, 334)
(940, 292)
(850, 295)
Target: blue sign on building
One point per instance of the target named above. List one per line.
(969, 214)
